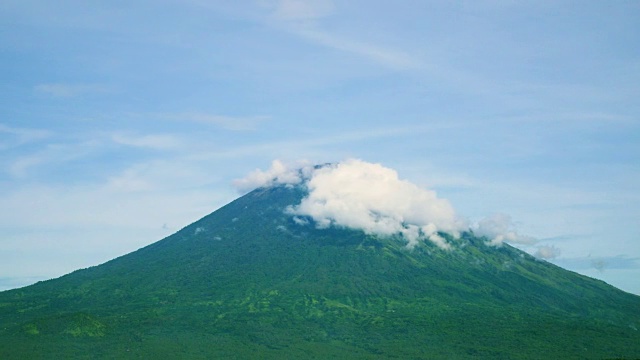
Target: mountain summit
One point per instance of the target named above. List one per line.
(307, 266)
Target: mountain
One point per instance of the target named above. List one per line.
(252, 281)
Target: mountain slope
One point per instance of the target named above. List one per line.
(250, 281)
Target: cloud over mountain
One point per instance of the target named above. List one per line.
(360, 195)
(547, 252)
(499, 228)
(279, 174)
(370, 197)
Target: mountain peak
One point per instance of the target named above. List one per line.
(266, 277)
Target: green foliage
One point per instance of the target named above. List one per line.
(249, 282)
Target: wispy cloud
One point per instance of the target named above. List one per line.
(547, 252)
(296, 10)
(303, 18)
(51, 155)
(276, 148)
(499, 228)
(279, 173)
(20, 135)
(129, 181)
(20, 167)
(395, 59)
(151, 141)
(63, 90)
(158, 174)
(600, 263)
(233, 123)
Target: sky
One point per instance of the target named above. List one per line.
(122, 122)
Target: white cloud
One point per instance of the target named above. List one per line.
(391, 58)
(20, 167)
(300, 221)
(500, 228)
(279, 174)
(302, 18)
(129, 181)
(50, 155)
(161, 175)
(234, 123)
(311, 146)
(547, 252)
(69, 90)
(152, 141)
(370, 197)
(302, 9)
(21, 135)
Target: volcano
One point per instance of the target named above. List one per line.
(255, 280)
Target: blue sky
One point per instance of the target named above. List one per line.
(121, 122)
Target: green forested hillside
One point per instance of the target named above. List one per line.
(249, 282)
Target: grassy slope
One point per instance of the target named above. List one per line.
(247, 282)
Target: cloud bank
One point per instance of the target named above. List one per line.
(361, 195)
(370, 197)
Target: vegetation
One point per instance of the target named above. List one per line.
(249, 281)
